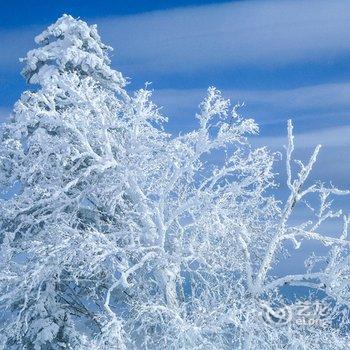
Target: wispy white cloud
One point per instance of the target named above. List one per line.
(334, 159)
(329, 102)
(328, 138)
(303, 98)
(258, 33)
(231, 34)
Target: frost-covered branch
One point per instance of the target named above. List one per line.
(121, 236)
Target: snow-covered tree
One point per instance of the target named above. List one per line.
(121, 236)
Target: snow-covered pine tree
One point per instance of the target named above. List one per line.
(122, 237)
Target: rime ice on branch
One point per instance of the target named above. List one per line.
(124, 237)
(70, 46)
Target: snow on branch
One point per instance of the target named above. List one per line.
(121, 236)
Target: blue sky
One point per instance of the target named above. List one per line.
(284, 59)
